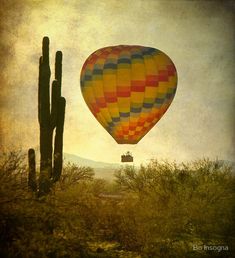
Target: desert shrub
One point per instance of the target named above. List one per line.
(169, 207)
(72, 174)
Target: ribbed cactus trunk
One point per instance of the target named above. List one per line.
(51, 113)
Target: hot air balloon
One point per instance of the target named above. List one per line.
(128, 89)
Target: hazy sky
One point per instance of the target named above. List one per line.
(197, 35)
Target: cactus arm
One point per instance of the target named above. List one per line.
(58, 69)
(58, 142)
(54, 103)
(32, 181)
(58, 145)
(39, 89)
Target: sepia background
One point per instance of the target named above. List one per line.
(197, 35)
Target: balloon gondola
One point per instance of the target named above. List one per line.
(127, 157)
(128, 89)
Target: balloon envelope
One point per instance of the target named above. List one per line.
(128, 89)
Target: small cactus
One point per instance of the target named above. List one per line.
(32, 181)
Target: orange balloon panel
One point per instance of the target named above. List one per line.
(128, 89)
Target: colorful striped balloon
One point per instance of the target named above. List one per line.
(128, 89)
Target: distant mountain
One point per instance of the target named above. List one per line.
(227, 163)
(88, 162)
(102, 169)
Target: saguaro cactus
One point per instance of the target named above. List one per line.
(51, 118)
